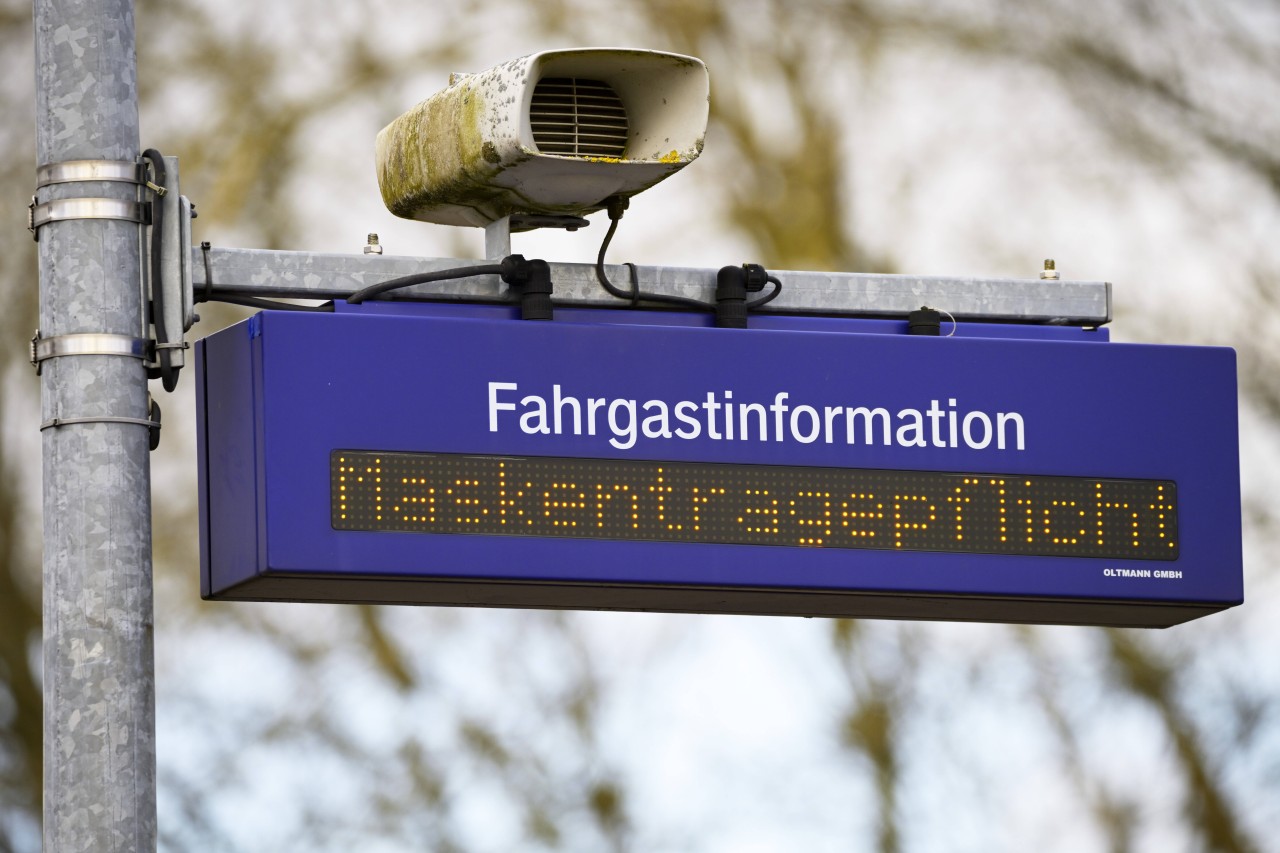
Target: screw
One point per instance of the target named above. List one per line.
(373, 247)
(1050, 271)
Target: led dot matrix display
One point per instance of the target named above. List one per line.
(753, 505)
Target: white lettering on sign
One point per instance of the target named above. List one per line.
(721, 418)
(1168, 574)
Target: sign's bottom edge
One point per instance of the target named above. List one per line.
(551, 595)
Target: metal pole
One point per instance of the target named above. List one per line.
(99, 681)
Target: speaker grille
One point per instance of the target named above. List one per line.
(573, 117)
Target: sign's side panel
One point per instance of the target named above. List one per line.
(229, 436)
(202, 471)
(1222, 464)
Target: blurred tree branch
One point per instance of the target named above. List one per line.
(239, 99)
(1140, 671)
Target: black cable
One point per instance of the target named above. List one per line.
(249, 301)
(422, 278)
(773, 294)
(600, 275)
(205, 246)
(354, 299)
(168, 375)
(255, 302)
(615, 208)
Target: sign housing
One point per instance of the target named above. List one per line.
(449, 454)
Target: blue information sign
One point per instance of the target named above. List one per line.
(643, 461)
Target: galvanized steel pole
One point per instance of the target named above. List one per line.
(99, 682)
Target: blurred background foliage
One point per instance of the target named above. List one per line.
(1135, 141)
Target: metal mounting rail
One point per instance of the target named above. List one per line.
(311, 275)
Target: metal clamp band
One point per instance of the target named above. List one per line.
(73, 171)
(104, 419)
(152, 423)
(87, 343)
(86, 208)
